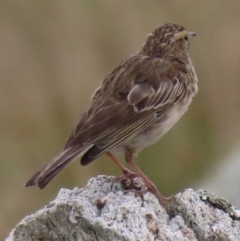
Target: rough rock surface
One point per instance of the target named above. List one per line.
(102, 211)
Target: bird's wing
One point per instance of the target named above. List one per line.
(123, 108)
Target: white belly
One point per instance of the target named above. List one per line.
(154, 132)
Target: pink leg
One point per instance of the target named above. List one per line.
(119, 164)
(164, 201)
(128, 179)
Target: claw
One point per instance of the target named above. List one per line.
(130, 181)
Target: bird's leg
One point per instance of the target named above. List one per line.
(128, 177)
(164, 201)
(125, 171)
(119, 164)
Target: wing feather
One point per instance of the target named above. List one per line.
(122, 109)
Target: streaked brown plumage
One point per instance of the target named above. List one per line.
(138, 102)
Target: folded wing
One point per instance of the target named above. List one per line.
(120, 114)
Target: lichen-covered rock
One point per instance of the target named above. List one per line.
(102, 211)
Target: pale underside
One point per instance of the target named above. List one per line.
(153, 133)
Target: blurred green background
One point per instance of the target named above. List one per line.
(53, 56)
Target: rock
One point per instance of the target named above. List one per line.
(103, 211)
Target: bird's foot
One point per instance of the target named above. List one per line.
(130, 181)
(163, 201)
(134, 183)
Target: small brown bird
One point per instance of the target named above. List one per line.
(136, 104)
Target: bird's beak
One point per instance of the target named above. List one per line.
(191, 34)
(183, 34)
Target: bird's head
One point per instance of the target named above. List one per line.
(169, 41)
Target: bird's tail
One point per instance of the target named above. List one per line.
(50, 170)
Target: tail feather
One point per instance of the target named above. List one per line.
(50, 170)
(47, 178)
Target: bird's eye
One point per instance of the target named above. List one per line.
(186, 38)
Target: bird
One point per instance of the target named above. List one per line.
(134, 106)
